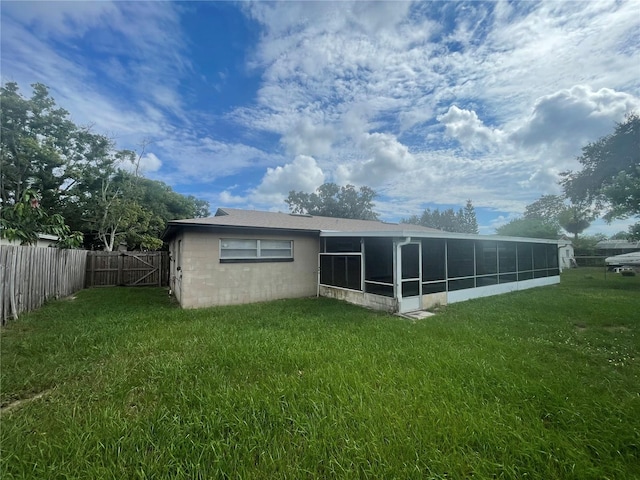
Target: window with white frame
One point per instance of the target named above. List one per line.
(255, 250)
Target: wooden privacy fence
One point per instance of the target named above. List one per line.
(127, 268)
(29, 276)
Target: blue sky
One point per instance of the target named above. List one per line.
(429, 103)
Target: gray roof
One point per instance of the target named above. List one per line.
(617, 245)
(233, 217)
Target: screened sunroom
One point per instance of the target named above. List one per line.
(407, 273)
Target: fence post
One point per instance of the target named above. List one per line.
(93, 269)
(120, 266)
(12, 284)
(4, 268)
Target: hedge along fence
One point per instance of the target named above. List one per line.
(29, 276)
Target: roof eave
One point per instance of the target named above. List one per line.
(174, 227)
(440, 234)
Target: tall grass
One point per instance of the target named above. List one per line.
(536, 384)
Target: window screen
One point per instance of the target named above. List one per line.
(460, 256)
(433, 259)
(486, 257)
(341, 271)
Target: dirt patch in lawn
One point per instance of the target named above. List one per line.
(616, 328)
(581, 327)
(18, 403)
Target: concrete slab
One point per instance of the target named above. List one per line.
(417, 315)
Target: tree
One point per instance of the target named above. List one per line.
(169, 205)
(620, 236)
(25, 220)
(160, 204)
(330, 200)
(200, 208)
(528, 227)
(118, 206)
(80, 176)
(546, 209)
(575, 219)
(554, 211)
(447, 220)
(462, 221)
(610, 174)
(101, 198)
(33, 145)
(470, 222)
(586, 245)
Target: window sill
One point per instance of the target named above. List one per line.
(255, 260)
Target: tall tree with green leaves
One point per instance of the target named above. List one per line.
(529, 227)
(331, 200)
(462, 221)
(470, 222)
(80, 175)
(553, 210)
(575, 219)
(546, 209)
(34, 145)
(610, 174)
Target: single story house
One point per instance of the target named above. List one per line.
(608, 248)
(44, 240)
(241, 256)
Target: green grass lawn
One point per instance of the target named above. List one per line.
(539, 384)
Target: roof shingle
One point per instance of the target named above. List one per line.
(233, 217)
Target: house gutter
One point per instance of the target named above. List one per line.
(318, 271)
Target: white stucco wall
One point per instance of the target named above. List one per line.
(204, 281)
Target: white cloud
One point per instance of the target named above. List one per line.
(204, 159)
(140, 53)
(227, 198)
(308, 139)
(61, 19)
(386, 157)
(478, 80)
(413, 116)
(572, 117)
(149, 163)
(544, 47)
(359, 92)
(145, 165)
(303, 174)
(468, 129)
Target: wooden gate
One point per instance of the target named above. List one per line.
(127, 269)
